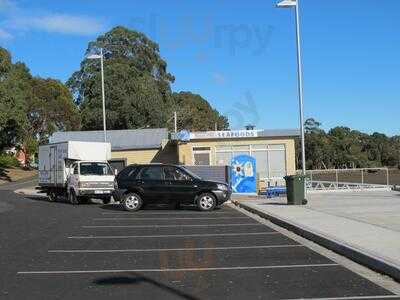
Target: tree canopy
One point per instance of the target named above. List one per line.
(137, 87)
(342, 147)
(195, 113)
(31, 108)
(137, 84)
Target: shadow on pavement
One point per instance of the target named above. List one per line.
(164, 207)
(278, 203)
(137, 279)
(60, 200)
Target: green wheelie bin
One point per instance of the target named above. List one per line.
(295, 189)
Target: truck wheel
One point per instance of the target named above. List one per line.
(72, 197)
(132, 202)
(107, 200)
(83, 200)
(52, 196)
(206, 202)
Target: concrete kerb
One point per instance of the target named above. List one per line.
(375, 263)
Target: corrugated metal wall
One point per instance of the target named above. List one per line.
(213, 173)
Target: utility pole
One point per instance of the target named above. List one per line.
(175, 122)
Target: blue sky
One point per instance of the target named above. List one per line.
(239, 55)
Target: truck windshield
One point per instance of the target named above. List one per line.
(95, 168)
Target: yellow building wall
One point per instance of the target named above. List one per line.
(167, 154)
(185, 153)
(136, 156)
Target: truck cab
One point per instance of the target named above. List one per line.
(90, 179)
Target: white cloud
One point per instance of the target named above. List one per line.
(16, 19)
(59, 23)
(4, 35)
(219, 78)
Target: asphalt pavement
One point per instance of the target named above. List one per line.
(60, 251)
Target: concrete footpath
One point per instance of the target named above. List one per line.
(374, 245)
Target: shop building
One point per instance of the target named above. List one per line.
(273, 150)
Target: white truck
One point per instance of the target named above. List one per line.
(78, 170)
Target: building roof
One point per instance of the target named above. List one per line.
(279, 132)
(149, 138)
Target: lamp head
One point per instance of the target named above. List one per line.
(287, 4)
(93, 56)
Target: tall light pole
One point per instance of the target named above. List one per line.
(295, 4)
(101, 57)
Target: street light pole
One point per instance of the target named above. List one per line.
(103, 95)
(101, 57)
(296, 4)
(300, 87)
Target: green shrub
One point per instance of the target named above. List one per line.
(8, 161)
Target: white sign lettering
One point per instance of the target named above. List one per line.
(224, 134)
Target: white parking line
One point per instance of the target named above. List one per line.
(184, 218)
(171, 213)
(353, 297)
(169, 235)
(176, 270)
(170, 226)
(174, 249)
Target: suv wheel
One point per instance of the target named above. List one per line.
(206, 202)
(132, 202)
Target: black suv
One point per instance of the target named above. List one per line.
(158, 183)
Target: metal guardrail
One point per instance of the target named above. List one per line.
(348, 179)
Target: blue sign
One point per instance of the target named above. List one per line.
(183, 135)
(243, 174)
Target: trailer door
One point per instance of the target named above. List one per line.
(53, 165)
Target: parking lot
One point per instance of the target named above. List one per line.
(99, 252)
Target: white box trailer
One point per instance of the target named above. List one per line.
(77, 169)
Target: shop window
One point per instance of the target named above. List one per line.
(201, 156)
(276, 147)
(223, 158)
(277, 164)
(241, 150)
(270, 159)
(259, 147)
(261, 163)
(223, 148)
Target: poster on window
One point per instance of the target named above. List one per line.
(243, 174)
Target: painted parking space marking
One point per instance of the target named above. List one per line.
(174, 249)
(181, 218)
(170, 235)
(177, 269)
(144, 213)
(351, 298)
(171, 226)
